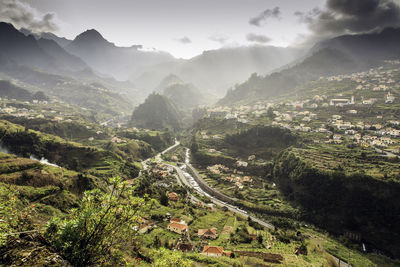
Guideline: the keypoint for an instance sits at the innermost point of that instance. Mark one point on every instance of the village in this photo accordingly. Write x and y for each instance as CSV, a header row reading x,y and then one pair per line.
x,y
342,114
193,225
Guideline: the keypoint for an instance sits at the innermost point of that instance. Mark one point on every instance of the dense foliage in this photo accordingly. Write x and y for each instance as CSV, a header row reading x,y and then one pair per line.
x,y
157,113
102,222
338,202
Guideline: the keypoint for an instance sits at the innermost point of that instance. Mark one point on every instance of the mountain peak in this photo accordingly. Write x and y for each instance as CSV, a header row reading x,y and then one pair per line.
x,y
90,36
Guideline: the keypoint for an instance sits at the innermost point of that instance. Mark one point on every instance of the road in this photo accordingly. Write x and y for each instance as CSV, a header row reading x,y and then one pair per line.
x,y
186,179
386,153
157,157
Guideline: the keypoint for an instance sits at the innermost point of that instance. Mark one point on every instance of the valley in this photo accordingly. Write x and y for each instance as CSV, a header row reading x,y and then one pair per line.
x,y
243,155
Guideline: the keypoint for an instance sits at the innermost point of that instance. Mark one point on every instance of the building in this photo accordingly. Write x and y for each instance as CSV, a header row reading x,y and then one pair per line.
x,y
173,196
208,233
389,98
240,163
215,251
184,247
178,228
341,101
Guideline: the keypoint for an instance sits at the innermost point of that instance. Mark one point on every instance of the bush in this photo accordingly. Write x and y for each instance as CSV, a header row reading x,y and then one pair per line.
x,y
103,221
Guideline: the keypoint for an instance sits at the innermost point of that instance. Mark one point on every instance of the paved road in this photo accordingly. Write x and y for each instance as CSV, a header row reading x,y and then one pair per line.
x,y
386,153
183,174
157,157
186,179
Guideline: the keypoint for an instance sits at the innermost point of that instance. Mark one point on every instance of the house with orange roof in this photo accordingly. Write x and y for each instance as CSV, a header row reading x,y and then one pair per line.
x,y
178,228
215,251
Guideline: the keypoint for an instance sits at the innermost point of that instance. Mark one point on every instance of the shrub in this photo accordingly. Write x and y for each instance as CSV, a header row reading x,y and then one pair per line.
x,y
103,221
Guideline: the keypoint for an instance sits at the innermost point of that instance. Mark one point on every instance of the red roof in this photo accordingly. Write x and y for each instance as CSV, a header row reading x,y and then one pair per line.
x,y
178,225
213,250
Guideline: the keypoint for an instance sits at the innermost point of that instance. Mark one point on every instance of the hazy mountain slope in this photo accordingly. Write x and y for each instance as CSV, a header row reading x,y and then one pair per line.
x,y
23,49
105,57
61,57
166,82
92,96
367,47
215,71
184,95
9,90
157,112
43,54
61,41
345,54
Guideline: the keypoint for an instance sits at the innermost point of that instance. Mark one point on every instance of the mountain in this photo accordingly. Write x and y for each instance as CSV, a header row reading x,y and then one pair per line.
x,y
166,82
43,54
61,41
107,58
9,90
157,112
369,48
61,57
215,71
184,95
340,55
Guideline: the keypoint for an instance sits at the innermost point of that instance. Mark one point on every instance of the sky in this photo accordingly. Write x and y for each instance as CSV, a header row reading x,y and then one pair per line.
x,y
185,28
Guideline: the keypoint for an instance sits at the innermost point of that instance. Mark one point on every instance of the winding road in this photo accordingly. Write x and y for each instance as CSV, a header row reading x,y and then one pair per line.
x,y
185,179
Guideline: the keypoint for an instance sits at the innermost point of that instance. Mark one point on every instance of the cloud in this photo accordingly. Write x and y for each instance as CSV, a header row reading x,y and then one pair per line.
x,y
184,40
220,38
22,15
263,16
350,17
257,38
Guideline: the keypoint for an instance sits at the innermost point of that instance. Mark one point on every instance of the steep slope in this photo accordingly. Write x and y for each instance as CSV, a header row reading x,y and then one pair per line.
x,y
45,54
184,95
345,54
9,90
91,96
61,57
166,82
105,57
157,112
61,41
367,47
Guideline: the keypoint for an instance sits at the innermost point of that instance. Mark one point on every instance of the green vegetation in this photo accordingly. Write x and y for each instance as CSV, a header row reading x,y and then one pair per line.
x,y
96,161
102,221
362,204
156,113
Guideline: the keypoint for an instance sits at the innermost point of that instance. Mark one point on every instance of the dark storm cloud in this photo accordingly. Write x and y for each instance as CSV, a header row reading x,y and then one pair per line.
x,y
184,40
257,38
219,38
351,16
263,16
23,15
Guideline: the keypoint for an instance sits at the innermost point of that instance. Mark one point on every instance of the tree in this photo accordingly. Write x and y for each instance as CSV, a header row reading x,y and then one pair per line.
x,y
194,146
14,215
270,113
164,199
103,221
